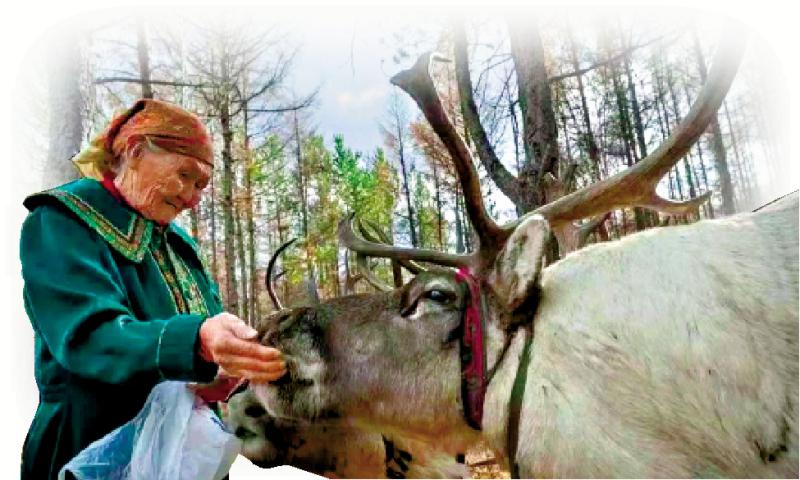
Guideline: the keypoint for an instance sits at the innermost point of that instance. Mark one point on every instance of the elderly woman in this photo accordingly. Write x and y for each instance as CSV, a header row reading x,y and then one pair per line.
x,y
117,295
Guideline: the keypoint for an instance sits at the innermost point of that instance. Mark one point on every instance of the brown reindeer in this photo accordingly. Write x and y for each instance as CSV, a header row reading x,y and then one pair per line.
x,y
337,450
670,353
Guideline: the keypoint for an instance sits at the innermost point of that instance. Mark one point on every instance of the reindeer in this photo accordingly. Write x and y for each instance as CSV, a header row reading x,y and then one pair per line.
x,y
670,353
337,450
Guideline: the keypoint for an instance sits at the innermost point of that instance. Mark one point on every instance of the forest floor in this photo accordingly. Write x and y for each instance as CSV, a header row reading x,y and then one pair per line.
x,y
483,464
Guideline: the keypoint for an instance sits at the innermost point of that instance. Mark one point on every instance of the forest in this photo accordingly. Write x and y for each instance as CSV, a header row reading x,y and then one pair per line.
x,y
547,104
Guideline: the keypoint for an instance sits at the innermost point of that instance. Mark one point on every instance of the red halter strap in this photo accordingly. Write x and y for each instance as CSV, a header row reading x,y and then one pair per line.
x,y
473,352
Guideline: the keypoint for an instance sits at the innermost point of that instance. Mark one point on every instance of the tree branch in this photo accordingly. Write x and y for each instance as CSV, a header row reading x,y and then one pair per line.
x,y
500,175
100,81
305,103
612,59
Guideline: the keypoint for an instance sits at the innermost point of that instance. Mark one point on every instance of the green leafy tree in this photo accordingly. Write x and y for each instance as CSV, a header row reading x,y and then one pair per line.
x,y
324,213
367,187
428,216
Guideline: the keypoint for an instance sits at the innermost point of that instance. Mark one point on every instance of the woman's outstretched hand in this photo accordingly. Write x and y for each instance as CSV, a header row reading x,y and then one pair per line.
x,y
230,343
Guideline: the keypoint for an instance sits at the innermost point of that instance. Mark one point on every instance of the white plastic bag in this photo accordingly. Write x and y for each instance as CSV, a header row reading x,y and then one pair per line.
x,y
174,437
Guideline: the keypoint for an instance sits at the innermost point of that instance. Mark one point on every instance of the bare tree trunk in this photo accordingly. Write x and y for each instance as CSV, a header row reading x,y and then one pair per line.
x,y
696,176
195,224
744,182
232,296
721,164
467,234
747,170
704,173
66,104
689,179
622,110
717,145
404,171
302,178
663,123
460,244
464,232
213,216
562,105
248,206
707,206
144,59
677,116
439,214
243,305
637,115
512,112
539,127
301,182
279,230
678,183
645,217
627,134
615,225
670,186
475,134
591,144
664,129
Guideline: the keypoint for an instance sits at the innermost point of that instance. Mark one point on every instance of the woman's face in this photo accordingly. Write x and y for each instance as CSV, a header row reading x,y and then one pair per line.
x,y
161,184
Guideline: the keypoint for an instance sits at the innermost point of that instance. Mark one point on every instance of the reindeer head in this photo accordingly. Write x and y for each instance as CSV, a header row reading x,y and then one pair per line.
x,y
342,354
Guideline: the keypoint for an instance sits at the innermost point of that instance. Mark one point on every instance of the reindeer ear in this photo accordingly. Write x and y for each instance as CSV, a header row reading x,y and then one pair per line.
x,y
516,269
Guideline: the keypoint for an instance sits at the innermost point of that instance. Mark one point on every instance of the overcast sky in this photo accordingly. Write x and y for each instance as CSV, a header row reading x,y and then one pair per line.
x,y
344,57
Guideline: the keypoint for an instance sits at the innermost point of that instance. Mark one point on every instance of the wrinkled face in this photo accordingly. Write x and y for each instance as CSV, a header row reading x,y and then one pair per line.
x,y
390,360
161,184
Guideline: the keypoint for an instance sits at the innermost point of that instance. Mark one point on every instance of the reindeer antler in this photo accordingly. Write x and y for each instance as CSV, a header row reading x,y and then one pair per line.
x,y
366,273
268,276
373,249
381,237
635,186
418,83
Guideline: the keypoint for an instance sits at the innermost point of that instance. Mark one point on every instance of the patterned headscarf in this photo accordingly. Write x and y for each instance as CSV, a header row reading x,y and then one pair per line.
x,y
166,125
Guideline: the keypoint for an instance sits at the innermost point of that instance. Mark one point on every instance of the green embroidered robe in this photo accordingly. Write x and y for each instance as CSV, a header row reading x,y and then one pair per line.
x,y
116,302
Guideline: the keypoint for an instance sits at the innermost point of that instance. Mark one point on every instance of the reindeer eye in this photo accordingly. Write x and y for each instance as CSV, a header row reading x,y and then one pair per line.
x,y
439,296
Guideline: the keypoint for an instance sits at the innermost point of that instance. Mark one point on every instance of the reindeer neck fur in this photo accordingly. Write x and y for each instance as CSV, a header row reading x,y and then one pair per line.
x,y
693,375
505,342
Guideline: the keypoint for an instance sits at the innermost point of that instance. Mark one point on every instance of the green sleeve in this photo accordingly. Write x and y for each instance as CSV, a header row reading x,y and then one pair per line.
x,y
77,303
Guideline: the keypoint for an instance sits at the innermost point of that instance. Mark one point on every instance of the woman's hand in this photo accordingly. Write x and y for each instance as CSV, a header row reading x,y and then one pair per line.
x,y
230,343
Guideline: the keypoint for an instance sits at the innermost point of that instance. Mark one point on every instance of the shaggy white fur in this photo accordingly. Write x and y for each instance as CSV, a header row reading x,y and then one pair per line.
x,y
670,353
